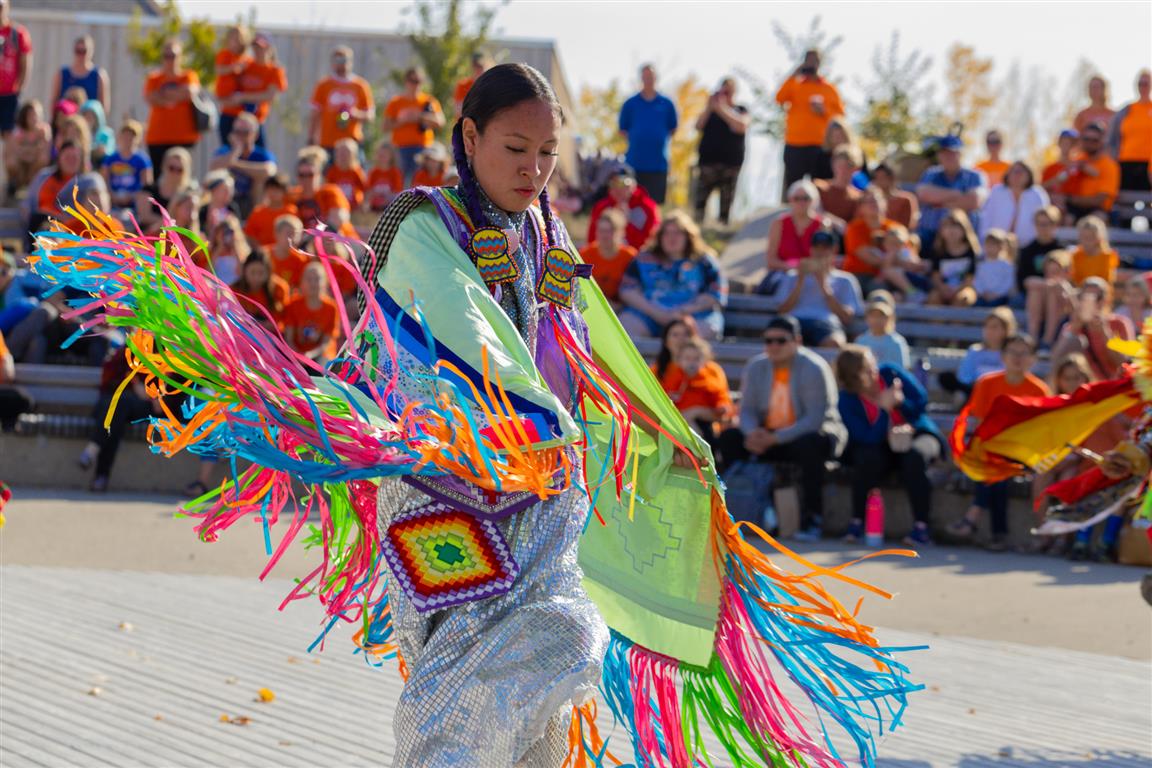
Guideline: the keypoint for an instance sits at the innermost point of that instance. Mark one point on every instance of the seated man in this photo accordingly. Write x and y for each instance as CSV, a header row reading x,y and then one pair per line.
x,y
788,413
824,299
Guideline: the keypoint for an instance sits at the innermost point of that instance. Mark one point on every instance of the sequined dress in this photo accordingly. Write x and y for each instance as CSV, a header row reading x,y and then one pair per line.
x,y
492,683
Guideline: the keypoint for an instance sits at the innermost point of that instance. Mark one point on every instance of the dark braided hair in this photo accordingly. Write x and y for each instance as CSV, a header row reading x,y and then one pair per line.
x,y
499,88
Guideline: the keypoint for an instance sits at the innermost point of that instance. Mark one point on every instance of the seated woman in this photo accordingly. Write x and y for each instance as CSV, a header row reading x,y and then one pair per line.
x,y
790,234
883,409
678,276
1090,328
953,259
262,290
1012,205
699,388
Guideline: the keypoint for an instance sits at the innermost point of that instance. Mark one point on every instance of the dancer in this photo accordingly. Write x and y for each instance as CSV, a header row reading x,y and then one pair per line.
x,y
508,502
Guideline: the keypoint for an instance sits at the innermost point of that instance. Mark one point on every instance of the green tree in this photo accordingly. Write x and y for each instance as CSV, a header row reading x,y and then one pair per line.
x,y
444,35
595,120
198,37
898,109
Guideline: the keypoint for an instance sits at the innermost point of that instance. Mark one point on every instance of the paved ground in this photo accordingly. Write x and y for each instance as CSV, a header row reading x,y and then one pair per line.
x,y
103,665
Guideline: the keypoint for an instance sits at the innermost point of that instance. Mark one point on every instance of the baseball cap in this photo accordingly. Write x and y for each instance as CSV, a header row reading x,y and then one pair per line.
x,y
1069,133
786,323
823,237
954,143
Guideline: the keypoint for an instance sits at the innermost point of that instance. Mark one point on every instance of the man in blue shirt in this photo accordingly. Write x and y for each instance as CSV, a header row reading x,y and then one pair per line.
x,y
648,121
249,164
947,186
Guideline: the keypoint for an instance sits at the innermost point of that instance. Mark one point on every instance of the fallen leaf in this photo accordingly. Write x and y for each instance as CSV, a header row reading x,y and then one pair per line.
x,y
158,716
284,743
231,680
971,711
126,626
225,719
934,688
293,660
95,691
265,696
241,720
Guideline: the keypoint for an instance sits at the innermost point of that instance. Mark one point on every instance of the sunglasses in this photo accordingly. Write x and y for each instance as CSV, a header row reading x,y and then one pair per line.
x,y
776,340
800,199
241,132
305,174
169,54
174,168
79,51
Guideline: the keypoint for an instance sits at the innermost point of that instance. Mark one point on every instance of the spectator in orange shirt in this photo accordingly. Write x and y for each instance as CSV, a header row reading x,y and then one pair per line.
x,y
1093,256
435,168
1016,380
260,83
1059,178
903,207
317,203
346,173
260,226
608,254
698,387
231,60
864,239
1130,137
810,102
311,320
284,255
480,64
341,104
412,117
1097,176
993,168
260,289
1097,111
385,180
169,91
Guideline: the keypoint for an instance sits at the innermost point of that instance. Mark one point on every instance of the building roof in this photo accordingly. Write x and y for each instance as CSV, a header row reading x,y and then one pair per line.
x,y
109,7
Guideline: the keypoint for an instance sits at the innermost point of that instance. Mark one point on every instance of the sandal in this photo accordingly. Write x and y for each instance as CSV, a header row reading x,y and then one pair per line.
x,y
195,489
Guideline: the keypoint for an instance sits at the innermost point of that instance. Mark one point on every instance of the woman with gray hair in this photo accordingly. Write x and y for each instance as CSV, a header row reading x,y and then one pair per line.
x,y
790,233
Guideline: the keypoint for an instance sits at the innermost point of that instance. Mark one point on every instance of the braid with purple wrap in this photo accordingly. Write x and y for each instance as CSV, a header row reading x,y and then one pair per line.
x,y
468,186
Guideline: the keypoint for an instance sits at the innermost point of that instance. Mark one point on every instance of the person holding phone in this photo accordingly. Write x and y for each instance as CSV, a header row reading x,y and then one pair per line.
x,y
1091,326
809,102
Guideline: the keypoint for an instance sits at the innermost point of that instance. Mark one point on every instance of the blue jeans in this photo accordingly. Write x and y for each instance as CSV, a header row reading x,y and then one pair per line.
x,y
406,156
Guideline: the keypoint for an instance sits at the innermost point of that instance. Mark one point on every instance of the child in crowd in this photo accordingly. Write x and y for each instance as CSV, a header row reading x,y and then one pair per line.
x,y
29,147
284,256
887,346
609,254
995,277
434,170
953,258
346,173
385,180
1019,355
1093,256
221,203
261,224
699,388
1049,298
129,169
1030,260
261,289
311,320
983,358
229,249
904,271
1136,302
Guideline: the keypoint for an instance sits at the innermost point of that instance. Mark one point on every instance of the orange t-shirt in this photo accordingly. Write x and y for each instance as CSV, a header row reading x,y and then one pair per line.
x,y
3,347
856,235
1107,179
351,182
462,88
708,388
383,178
327,197
423,178
290,268
991,385
333,97
411,134
49,191
280,293
1136,133
1051,171
994,170
261,224
780,413
1103,264
228,84
173,124
309,326
608,272
803,127
260,77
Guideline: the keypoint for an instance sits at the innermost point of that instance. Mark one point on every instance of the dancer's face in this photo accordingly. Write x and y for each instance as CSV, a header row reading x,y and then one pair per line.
x,y
515,155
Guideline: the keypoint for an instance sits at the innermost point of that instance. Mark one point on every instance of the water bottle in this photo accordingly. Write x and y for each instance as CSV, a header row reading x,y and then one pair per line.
x,y
874,519
924,371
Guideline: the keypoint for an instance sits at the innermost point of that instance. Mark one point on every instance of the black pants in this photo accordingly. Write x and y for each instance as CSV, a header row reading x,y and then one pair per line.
x,y
721,178
130,408
1134,176
808,452
798,163
950,382
872,463
156,154
13,402
994,498
655,183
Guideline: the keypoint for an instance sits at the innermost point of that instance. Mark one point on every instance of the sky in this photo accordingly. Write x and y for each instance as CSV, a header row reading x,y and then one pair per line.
x,y
600,40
